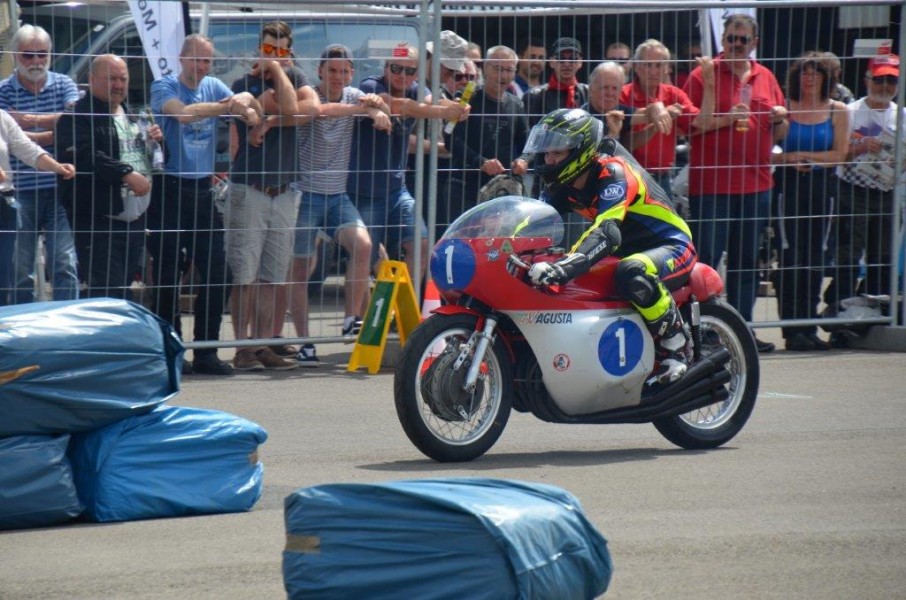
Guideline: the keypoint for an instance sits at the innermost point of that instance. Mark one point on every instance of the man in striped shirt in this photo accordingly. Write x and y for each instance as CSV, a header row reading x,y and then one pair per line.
x,y
36,97
324,154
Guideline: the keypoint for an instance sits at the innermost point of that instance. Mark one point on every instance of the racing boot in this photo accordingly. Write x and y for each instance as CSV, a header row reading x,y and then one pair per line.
x,y
671,346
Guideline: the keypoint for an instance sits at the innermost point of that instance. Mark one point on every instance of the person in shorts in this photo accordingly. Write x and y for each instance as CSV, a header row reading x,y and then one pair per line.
x,y
324,153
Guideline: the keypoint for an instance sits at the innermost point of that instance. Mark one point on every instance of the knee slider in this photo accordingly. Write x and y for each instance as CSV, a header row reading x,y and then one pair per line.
x,y
635,284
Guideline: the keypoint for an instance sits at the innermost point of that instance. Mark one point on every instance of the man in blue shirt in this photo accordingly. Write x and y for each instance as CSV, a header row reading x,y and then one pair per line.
x,y
377,169
182,215
35,97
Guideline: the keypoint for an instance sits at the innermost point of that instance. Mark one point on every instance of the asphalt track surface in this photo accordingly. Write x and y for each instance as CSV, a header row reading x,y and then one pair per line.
x,y
809,501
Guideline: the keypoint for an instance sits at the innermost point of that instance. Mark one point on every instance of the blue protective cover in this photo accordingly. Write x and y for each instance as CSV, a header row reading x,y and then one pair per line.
x,y
442,538
36,487
74,366
172,461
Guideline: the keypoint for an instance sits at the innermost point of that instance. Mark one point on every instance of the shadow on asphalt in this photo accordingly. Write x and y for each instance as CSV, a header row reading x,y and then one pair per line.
x,y
522,460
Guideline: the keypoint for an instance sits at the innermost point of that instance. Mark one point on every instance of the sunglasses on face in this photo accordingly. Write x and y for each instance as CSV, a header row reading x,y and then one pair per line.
x,y
465,77
34,55
884,79
397,69
269,49
745,40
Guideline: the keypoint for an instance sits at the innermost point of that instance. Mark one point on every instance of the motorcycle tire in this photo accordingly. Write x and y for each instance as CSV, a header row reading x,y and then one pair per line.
x,y
716,424
441,419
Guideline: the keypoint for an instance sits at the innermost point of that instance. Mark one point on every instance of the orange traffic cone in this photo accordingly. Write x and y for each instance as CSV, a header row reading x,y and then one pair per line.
x,y
431,300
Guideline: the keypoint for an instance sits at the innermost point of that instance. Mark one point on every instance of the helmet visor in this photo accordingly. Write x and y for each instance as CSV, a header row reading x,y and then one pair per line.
x,y
541,139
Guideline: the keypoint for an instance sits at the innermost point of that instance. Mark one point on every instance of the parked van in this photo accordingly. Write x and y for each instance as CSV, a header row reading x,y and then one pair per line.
x,y
236,36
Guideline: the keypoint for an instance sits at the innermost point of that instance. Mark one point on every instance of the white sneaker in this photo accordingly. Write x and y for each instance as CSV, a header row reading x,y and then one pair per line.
x,y
308,356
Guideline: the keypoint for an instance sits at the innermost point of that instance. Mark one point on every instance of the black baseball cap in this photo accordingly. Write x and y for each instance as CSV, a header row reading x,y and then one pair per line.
x,y
336,51
566,44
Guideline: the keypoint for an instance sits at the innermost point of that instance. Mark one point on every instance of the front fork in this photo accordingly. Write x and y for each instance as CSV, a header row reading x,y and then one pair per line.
x,y
484,339
695,328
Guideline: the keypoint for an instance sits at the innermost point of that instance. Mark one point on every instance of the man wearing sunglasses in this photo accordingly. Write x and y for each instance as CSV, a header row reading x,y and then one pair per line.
x,y
866,187
452,78
490,142
262,207
563,89
730,178
377,170
36,97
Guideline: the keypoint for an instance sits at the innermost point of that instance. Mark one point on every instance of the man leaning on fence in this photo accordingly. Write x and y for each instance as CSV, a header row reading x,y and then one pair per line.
x,y
324,154
730,179
377,169
108,198
36,97
866,192
182,215
262,208
489,143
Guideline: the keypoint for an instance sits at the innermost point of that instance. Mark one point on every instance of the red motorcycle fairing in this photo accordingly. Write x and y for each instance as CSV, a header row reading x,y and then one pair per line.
x,y
478,268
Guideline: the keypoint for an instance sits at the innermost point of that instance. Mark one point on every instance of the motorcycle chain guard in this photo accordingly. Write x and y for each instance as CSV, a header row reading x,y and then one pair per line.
x,y
443,387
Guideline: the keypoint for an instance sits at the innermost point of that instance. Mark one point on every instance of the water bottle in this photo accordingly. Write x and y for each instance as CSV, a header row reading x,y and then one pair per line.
x,y
154,148
463,101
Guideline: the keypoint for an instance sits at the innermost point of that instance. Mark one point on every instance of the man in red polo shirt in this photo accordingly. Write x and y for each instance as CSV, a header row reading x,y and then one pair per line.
x,y
730,177
651,69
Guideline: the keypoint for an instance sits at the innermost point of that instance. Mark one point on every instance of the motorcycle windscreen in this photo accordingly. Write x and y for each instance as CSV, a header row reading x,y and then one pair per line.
x,y
510,217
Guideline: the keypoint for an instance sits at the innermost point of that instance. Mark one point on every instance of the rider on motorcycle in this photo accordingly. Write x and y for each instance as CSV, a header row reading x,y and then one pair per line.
x,y
631,218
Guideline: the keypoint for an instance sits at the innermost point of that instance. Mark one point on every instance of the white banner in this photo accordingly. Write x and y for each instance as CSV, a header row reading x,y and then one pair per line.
x,y
160,25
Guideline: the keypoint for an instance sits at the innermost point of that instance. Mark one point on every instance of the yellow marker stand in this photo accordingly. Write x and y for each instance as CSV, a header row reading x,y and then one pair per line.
x,y
393,297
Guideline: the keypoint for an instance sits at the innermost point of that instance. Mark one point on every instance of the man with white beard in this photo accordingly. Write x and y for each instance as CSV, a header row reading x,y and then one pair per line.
x,y
36,97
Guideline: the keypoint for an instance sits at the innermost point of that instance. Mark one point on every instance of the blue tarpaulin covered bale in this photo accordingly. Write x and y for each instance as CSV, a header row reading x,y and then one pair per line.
x,y
36,487
170,462
442,538
79,365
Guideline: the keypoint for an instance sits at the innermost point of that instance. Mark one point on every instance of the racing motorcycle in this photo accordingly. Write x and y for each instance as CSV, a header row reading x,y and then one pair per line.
x,y
576,353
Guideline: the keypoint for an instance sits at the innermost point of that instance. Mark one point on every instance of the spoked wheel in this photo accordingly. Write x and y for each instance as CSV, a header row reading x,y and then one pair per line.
x,y
716,424
443,420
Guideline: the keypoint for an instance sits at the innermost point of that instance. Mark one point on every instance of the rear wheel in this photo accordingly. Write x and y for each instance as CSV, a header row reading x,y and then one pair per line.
x,y
444,421
716,424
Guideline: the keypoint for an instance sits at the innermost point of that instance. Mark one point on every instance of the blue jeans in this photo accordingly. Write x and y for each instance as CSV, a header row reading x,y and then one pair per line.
x,y
7,246
732,223
39,210
390,221
327,212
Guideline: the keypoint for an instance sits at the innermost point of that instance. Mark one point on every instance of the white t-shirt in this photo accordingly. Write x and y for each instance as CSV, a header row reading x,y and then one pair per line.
x,y
872,170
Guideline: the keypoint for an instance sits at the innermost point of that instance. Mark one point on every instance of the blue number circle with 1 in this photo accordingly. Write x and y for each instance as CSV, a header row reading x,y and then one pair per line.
x,y
620,347
452,265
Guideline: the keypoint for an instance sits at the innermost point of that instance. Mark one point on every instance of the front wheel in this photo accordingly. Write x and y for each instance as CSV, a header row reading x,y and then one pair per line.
x,y
716,424
444,421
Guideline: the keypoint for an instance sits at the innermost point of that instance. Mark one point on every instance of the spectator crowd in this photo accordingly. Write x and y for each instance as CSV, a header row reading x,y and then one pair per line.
x,y
121,195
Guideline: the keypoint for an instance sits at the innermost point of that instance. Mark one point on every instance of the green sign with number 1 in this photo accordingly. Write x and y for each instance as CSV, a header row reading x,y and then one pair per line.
x,y
375,323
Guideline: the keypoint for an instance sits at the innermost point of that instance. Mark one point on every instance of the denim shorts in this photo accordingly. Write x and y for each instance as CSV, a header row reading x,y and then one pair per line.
x,y
322,212
391,221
